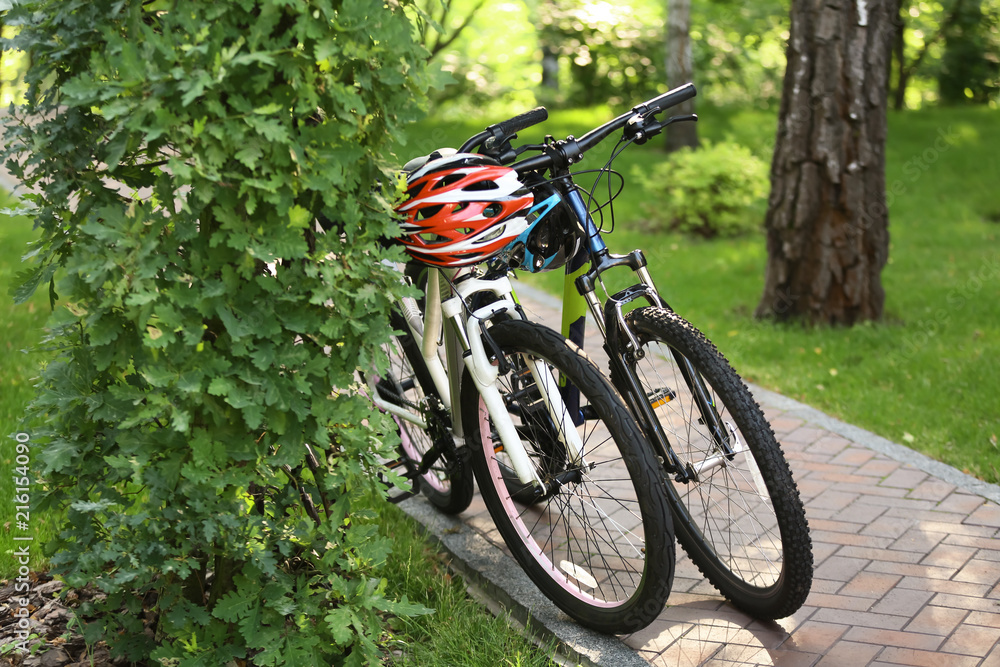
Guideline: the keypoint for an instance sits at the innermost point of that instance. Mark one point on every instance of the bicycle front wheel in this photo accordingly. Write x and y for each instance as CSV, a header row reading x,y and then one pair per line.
x,y
740,518
597,540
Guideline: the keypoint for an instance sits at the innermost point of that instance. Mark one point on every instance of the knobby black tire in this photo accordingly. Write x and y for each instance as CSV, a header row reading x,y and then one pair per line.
x,y
742,523
448,484
600,546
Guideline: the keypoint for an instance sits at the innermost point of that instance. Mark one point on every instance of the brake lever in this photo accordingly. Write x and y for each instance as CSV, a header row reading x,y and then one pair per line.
x,y
644,133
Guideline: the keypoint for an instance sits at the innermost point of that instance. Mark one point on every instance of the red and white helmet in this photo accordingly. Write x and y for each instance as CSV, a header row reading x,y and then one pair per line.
x,y
462,209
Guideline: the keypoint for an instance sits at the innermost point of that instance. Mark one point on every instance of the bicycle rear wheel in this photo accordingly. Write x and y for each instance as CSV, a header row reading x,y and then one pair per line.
x,y
430,456
598,542
741,520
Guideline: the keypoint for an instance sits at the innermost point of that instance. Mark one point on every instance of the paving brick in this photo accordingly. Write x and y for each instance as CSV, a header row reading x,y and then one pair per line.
x,y
903,656
964,602
839,601
894,638
657,636
849,653
735,655
887,555
961,503
809,488
879,467
902,602
912,570
918,539
987,515
735,635
984,619
992,660
905,478
972,640
805,435
850,539
789,624
846,479
979,572
860,619
936,620
866,513
785,424
953,526
888,526
944,586
687,653
833,525
869,585
894,502
839,568
829,445
822,551
782,658
826,586
987,545
815,637
854,457
932,489
948,556
866,490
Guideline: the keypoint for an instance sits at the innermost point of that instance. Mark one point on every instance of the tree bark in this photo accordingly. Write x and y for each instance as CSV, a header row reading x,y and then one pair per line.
x,y
679,71
827,221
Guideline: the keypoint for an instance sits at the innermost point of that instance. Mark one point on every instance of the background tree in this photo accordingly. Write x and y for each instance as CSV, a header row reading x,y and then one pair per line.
x,y
953,47
610,50
679,70
197,424
827,221
440,22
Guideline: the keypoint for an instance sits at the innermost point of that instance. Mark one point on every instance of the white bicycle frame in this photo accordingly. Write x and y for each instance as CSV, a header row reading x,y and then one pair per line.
x,y
465,337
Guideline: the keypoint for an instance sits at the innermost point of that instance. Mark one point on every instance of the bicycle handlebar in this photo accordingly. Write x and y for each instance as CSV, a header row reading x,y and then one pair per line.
x,y
524,120
571,150
496,134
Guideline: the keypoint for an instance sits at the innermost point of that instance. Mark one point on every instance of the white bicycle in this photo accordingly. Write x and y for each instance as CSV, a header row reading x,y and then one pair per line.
x,y
573,489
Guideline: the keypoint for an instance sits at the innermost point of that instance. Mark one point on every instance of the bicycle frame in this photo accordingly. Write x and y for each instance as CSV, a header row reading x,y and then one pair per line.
x,y
580,294
466,338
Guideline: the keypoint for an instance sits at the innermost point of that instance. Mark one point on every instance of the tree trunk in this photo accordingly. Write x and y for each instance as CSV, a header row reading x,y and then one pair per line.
x,y
550,68
827,221
679,71
899,51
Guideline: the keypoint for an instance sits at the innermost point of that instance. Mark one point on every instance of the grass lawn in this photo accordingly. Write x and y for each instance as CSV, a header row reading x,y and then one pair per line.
x,y
20,330
928,375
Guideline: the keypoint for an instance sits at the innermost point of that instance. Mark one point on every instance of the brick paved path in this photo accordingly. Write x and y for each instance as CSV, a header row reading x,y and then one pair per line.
x,y
907,555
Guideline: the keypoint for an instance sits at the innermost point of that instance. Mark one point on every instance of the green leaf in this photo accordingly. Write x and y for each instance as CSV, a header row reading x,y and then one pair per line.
x,y
299,217
233,607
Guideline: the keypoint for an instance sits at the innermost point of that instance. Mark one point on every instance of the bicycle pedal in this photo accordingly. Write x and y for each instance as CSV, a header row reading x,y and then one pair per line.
x,y
660,396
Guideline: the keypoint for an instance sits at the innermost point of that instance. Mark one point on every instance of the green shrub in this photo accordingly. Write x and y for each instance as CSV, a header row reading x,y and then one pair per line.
x,y
181,152
717,190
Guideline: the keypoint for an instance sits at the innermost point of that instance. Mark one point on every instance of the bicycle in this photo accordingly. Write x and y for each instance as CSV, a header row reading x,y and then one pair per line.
x,y
735,505
573,490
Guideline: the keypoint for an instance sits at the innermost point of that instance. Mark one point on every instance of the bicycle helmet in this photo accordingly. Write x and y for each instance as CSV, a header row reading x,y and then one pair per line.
x,y
462,209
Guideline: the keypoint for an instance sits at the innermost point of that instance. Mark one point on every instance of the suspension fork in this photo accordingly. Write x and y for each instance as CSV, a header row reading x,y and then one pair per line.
x,y
484,376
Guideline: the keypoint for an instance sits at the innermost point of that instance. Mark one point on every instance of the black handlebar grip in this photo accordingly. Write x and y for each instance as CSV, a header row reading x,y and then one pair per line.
x,y
672,98
525,120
